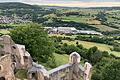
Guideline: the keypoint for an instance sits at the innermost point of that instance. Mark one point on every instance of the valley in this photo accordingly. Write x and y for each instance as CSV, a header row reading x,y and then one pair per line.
x,y
51,33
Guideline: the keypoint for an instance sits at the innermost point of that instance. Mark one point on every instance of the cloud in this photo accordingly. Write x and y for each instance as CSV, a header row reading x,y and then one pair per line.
x,y
89,4
100,0
76,3
57,1
10,0
71,3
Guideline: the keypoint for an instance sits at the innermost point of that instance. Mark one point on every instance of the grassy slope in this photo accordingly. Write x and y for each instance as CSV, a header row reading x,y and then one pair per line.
x,y
88,20
4,31
62,35
86,44
61,59
104,28
101,47
82,19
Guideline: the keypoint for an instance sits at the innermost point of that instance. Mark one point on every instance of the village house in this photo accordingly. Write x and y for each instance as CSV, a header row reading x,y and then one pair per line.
x,y
6,20
14,19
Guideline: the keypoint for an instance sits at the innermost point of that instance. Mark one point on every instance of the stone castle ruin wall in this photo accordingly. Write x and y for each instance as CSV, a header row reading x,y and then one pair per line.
x,y
14,56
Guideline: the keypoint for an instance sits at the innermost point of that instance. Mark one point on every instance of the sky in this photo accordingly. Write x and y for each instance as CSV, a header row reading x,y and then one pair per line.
x,y
70,3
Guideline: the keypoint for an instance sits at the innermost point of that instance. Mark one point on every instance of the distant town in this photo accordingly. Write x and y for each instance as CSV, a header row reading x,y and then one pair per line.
x,y
14,20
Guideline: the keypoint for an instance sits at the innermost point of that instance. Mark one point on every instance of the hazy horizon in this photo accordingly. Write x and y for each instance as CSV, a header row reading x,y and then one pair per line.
x,y
71,3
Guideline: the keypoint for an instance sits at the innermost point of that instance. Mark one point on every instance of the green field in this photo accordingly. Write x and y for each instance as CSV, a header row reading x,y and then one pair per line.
x,y
104,28
86,44
101,47
117,41
62,35
4,31
64,58
75,18
83,19
61,59
89,20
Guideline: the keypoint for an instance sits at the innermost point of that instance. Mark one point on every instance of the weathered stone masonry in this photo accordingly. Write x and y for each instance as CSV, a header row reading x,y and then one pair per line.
x,y
14,56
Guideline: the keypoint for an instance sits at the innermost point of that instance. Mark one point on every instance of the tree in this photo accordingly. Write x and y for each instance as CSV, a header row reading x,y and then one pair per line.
x,y
94,55
112,71
99,68
36,41
69,49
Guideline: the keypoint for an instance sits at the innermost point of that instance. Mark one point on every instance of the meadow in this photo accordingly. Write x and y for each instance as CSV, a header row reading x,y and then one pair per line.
x,y
89,20
4,31
104,27
86,44
61,58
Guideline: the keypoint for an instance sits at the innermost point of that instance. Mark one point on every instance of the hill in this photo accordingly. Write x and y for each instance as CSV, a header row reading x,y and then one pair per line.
x,y
94,18
13,5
